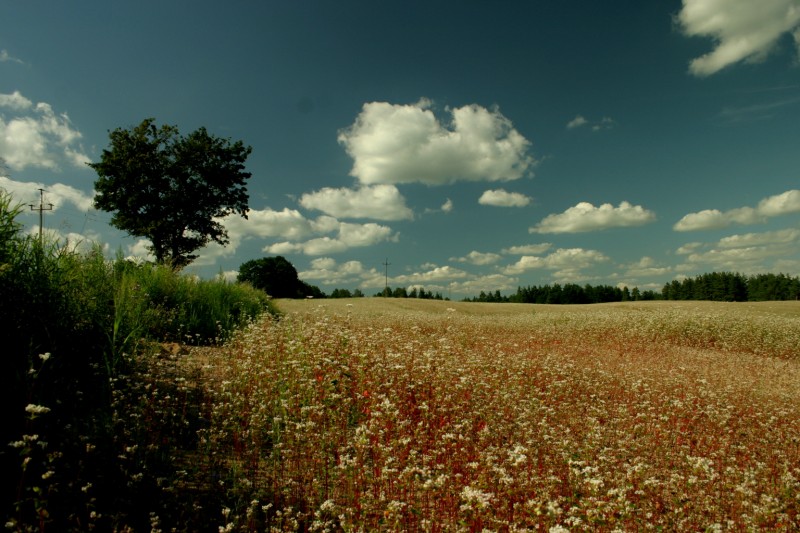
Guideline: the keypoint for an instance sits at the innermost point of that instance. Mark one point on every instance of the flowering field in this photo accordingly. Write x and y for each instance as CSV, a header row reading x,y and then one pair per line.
x,y
379,414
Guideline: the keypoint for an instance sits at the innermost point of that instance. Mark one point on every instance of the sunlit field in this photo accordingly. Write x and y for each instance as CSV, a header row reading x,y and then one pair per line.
x,y
380,414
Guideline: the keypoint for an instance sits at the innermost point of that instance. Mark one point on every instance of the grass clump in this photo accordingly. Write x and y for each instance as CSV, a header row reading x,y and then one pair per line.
x,y
85,377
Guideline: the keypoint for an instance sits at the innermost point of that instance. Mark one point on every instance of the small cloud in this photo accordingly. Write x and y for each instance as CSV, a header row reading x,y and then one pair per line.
x,y
646,267
6,57
576,122
15,101
528,249
780,204
478,258
502,198
579,121
379,202
604,124
742,30
447,206
586,217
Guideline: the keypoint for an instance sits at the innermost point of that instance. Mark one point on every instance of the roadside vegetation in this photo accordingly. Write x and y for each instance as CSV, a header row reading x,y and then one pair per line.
x,y
93,428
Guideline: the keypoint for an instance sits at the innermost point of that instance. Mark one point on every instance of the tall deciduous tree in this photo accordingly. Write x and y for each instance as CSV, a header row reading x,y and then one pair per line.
x,y
172,189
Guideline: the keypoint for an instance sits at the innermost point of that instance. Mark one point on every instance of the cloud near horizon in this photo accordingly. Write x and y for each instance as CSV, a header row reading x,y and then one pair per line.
x,y
58,194
394,144
347,236
780,204
33,135
503,198
585,217
572,259
742,30
747,253
379,202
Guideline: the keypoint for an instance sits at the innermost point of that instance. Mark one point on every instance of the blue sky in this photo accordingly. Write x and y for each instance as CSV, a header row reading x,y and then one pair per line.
x,y
475,145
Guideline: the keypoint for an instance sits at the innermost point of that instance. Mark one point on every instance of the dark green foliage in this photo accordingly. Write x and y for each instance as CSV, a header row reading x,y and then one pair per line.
x,y
75,328
733,287
277,277
172,189
569,293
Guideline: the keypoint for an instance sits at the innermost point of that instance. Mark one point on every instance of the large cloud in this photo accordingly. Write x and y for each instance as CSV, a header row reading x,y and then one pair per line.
x,y
58,194
35,136
503,198
393,144
348,236
749,252
586,217
379,202
328,272
572,259
435,274
743,30
779,204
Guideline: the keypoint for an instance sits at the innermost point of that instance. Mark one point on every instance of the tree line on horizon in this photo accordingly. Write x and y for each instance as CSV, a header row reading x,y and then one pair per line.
x,y
569,293
734,287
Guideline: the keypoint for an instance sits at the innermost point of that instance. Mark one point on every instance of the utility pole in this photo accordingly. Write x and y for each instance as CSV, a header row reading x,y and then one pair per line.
x,y
41,210
386,265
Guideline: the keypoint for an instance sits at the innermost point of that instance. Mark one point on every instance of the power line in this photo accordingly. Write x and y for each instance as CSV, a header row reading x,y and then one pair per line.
x,y
41,210
386,264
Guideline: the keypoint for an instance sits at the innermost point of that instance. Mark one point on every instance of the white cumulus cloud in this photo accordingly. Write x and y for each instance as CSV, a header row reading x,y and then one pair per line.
x,y
742,30
573,259
503,198
478,258
586,217
437,274
379,202
35,136
780,204
348,236
528,249
749,252
59,194
328,272
577,122
394,144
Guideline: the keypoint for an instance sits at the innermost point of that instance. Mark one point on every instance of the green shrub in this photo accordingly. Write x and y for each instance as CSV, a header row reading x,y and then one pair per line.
x,y
74,327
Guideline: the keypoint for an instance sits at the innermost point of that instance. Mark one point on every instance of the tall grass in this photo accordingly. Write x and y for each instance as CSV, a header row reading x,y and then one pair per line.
x,y
79,334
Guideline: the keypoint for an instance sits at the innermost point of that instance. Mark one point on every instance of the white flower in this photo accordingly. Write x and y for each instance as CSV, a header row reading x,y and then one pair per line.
x,y
36,409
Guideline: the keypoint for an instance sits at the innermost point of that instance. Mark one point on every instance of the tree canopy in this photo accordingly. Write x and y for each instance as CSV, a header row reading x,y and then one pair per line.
x,y
172,189
277,277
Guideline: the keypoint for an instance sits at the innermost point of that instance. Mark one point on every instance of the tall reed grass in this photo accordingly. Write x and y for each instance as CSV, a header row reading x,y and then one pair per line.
x,y
79,332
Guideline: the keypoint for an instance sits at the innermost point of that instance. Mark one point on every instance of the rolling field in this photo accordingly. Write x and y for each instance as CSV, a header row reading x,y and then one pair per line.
x,y
380,414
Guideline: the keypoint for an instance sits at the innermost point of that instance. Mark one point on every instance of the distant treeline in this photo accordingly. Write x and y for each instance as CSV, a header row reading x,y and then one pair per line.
x,y
569,293
733,287
388,292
